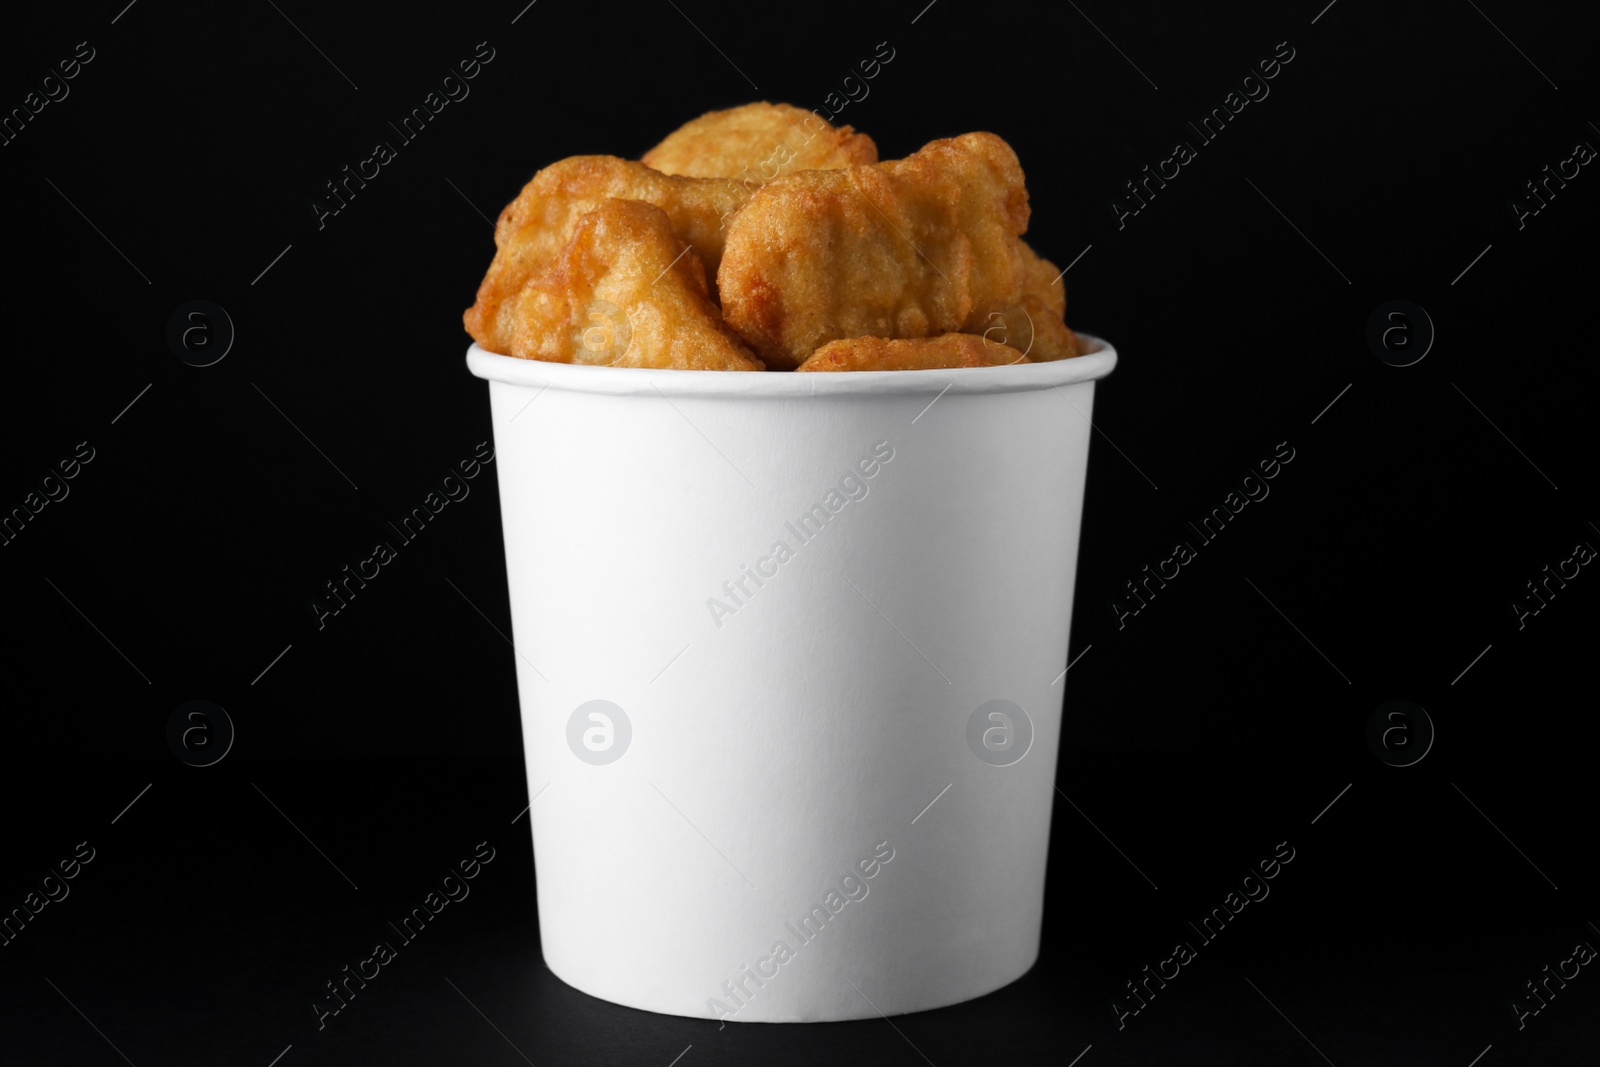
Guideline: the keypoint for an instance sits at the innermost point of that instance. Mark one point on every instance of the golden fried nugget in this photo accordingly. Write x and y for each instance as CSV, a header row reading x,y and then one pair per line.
x,y
1035,324
913,247
757,143
624,292
535,227
913,353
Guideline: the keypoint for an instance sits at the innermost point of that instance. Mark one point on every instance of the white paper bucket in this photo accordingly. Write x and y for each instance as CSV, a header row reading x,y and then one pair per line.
x,y
800,784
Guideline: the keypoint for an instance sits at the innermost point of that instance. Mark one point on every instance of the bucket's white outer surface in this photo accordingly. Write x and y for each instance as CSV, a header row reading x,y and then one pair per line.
x,y
799,733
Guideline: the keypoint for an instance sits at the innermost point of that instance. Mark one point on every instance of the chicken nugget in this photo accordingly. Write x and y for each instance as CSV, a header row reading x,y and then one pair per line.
x,y
1035,324
757,143
535,227
913,353
914,247
624,292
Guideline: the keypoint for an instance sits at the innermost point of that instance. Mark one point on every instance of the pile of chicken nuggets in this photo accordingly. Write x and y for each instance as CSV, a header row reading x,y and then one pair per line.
x,y
763,238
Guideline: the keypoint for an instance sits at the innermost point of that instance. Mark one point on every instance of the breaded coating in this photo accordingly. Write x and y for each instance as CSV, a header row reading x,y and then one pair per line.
x,y
535,227
914,247
915,353
624,292
757,143
1035,323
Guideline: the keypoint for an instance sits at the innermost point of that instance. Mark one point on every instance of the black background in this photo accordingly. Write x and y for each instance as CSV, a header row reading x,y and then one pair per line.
x,y
1211,726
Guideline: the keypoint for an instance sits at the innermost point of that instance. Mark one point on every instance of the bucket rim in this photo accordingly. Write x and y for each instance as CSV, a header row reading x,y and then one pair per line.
x,y
1095,363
